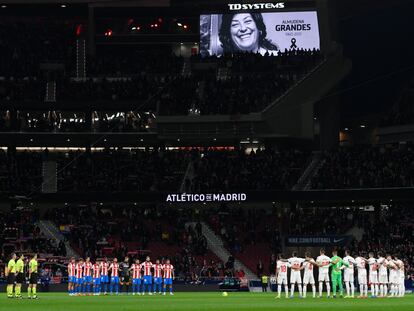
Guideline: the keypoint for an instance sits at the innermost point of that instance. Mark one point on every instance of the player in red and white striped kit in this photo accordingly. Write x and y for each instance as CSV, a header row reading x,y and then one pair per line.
x,y
87,276
147,266
136,277
114,268
104,276
79,276
96,268
71,276
157,277
168,275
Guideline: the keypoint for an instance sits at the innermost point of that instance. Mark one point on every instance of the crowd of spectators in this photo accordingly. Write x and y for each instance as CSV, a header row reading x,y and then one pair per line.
x,y
379,228
52,121
105,230
20,233
237,170
123,122
290,61
21,172
139,88
99,231
25,43
386,229
320,221
208,169
243,227
22,90
402,112
155,170
122,170
130,62
366,167
249,84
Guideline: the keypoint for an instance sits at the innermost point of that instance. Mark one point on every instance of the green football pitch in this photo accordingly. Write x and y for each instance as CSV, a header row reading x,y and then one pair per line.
x,y
200,301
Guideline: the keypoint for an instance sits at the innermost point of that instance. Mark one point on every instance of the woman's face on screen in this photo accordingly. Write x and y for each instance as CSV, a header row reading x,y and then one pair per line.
x,y
244,32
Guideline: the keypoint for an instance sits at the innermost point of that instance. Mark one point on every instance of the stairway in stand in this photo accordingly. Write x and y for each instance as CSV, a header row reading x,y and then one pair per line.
x,y
216,245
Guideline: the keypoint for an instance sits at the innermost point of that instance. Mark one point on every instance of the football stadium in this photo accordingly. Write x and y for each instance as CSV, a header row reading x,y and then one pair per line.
x,y
206,155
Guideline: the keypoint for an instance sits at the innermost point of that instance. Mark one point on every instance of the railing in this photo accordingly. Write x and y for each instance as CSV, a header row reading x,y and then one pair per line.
x,y
245,128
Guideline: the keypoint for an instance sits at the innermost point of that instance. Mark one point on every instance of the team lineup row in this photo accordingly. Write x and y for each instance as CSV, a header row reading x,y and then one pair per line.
x,y
15,275
385,274
84,274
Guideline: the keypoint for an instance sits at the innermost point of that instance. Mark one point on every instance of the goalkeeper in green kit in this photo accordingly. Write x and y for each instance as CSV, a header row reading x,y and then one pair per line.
x,y
336,274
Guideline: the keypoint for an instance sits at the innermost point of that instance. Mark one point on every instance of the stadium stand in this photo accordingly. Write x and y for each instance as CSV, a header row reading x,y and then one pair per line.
x,y
20,233
402,112
122,170
234,92
21,171
99,127
159,232
25,43
365,167
236,170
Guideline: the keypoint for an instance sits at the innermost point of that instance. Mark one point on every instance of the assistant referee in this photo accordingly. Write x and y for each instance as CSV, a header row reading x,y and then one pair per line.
x,y
19,277
31,290
11,275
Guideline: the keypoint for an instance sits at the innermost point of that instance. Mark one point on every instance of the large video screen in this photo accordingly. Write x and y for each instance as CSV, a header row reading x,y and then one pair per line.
x,y
267,32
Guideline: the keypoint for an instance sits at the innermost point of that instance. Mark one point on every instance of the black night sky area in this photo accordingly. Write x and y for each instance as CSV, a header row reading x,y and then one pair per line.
x,y
378,42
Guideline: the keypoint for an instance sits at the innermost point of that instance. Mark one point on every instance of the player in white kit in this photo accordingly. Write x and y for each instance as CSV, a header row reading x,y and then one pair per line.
x,y
382,275
400,276
393,278
349,278
323,262
308,277
282,266
373,274
362,276
295,276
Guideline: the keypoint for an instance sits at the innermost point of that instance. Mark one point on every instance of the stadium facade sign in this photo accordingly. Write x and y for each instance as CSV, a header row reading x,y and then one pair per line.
x,y
255,6
323,240
205,197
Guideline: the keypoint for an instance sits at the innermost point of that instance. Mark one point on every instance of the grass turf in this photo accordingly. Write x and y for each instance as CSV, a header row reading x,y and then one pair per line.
x,y
200,301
